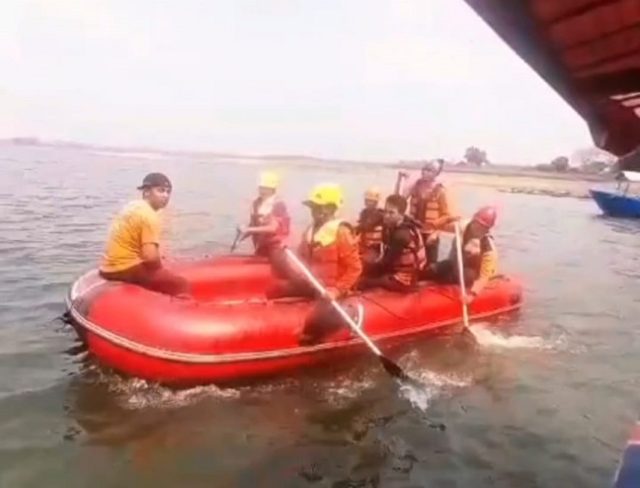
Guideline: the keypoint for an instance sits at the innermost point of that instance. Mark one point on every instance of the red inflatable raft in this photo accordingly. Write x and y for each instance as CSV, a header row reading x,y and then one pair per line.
x,y
231,333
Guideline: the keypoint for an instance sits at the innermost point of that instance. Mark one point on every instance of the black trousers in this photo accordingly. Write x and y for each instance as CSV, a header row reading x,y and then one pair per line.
x,y
323,319
432,249
387,281
446,273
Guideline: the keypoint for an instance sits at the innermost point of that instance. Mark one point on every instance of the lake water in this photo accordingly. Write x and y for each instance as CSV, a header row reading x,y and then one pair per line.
x,y
547,400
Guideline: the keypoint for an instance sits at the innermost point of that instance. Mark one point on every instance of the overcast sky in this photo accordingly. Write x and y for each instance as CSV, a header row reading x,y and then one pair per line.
x,y
362,79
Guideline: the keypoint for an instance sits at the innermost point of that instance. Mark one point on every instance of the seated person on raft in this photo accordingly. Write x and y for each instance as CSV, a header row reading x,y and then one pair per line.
x,y
269,223
403,256
369,228
330,249
132,252
479,255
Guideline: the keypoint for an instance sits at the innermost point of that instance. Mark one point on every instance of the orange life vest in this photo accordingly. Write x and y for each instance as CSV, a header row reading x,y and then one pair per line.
x,y
370,227
261,212
413,257
424,205
322,252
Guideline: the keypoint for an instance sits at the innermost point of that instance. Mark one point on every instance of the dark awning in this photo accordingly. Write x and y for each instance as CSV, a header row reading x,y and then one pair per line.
x,y
587,50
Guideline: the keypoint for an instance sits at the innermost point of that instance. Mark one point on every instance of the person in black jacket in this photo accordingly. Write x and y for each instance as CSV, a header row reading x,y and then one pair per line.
x,y
403,255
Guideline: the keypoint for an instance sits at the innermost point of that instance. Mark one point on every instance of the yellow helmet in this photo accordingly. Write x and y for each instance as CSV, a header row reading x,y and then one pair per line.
x,y
269,179
372,193
325,194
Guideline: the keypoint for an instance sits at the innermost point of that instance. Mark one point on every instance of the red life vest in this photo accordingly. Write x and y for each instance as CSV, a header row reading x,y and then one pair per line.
x,y
262,212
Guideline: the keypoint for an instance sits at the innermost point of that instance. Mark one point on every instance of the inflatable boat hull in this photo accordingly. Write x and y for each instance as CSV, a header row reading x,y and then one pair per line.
x,y
230,333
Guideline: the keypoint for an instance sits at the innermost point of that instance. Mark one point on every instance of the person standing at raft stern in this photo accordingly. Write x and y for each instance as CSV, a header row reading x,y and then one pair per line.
x,y
369,228
132,251
269,223
404,256
479,255
330,249
429,204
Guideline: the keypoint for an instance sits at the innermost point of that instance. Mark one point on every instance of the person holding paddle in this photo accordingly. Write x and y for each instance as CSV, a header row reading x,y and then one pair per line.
x,y
330,249
269,223
479,255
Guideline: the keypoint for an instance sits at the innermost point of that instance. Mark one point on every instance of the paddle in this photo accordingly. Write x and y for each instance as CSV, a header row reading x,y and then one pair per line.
x,y
463,291
390,367
235,241
401,175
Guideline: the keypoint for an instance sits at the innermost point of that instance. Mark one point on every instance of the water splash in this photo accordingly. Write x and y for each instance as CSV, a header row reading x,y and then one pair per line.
x,y
430,385
135,393
427,385
488,337
339,391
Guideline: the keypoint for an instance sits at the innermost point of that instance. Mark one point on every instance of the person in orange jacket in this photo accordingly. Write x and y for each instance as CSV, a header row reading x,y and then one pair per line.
x,y
429,204
479,255
330,249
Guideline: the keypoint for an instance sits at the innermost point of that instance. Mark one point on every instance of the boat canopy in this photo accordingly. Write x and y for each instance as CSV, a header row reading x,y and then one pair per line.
x,y
588,51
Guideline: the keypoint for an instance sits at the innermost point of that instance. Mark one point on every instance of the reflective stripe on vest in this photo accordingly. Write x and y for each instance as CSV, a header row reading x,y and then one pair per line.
x,y
473,262
412,259
323,251
426,208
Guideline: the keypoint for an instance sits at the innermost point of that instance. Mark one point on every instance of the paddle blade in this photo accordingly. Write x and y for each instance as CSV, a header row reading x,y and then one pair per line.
x,y
392,368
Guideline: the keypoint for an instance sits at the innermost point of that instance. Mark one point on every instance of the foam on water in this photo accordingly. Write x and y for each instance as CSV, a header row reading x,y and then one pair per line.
x,y
486,336
428,385
135,393
347,389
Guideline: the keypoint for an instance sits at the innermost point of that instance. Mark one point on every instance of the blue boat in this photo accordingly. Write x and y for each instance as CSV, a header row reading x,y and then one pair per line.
x,y
628,472
620,203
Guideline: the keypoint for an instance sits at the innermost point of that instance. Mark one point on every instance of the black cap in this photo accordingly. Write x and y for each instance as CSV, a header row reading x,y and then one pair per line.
x,y
154,180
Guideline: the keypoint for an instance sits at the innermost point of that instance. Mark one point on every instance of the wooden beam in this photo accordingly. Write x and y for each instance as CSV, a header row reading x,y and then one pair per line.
x,y
578,11
601,38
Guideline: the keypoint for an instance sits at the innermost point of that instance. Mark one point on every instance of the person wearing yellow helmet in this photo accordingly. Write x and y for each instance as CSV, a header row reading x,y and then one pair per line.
x,y
330,248
430,204
269,221
369,228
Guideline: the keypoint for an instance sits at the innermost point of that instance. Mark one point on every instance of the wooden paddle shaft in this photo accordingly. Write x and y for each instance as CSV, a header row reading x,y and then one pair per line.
x,y
316,284
463,291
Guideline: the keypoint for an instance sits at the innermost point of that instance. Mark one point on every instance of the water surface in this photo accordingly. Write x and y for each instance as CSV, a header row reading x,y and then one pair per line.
x,y
547,401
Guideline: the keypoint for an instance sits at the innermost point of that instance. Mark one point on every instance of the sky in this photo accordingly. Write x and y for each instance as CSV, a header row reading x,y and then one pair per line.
x,y
377,80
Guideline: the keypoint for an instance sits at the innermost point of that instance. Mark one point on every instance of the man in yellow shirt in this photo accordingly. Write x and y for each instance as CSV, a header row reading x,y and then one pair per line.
x,y
132,252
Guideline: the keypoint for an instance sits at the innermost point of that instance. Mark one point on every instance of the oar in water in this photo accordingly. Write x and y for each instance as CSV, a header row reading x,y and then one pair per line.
x,y
390,367
463,291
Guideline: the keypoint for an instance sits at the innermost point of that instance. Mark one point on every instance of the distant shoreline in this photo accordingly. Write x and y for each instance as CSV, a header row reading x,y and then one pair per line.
x,y
303,160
